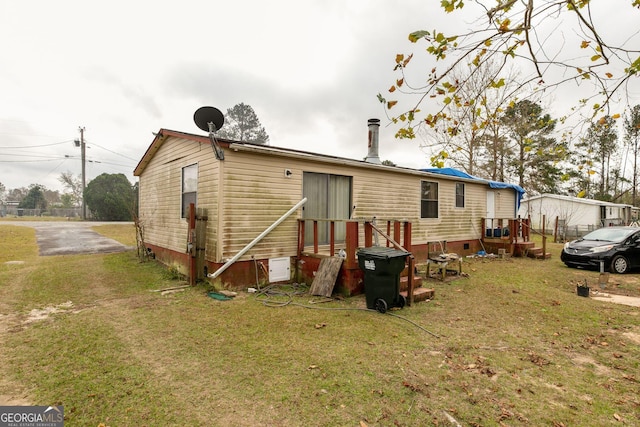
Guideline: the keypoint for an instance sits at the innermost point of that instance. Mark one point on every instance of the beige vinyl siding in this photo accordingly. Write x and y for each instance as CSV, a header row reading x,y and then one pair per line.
x,y
161,192
392,195
256,193
248,191
505,203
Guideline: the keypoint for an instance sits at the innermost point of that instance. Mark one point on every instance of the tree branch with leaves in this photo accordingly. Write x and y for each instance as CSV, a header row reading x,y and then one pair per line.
x,y
530,36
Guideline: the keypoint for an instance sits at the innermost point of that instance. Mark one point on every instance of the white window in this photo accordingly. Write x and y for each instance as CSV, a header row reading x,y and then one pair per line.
x,y
459,195
429,199
189,188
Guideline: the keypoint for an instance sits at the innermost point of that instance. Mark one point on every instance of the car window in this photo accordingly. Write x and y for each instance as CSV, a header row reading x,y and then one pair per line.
x,y
611,234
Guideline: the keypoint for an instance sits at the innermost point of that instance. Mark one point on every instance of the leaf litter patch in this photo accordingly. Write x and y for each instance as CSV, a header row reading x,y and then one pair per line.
x,y
39,314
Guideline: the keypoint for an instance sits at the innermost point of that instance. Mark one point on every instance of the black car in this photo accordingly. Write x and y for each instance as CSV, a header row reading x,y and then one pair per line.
x,y
617,247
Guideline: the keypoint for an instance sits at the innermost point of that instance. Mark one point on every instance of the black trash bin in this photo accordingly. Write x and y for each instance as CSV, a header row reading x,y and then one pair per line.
x,y
382,267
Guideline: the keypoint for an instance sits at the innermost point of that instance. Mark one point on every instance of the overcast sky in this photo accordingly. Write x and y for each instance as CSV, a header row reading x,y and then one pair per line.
x,y
310,69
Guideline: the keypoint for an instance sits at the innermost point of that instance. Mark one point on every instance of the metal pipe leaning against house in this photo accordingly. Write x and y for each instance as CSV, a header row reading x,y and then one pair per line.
x,y
256,240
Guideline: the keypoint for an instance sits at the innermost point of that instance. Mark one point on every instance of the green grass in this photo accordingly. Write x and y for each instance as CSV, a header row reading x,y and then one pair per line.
x,y
515,346
124,233
18,244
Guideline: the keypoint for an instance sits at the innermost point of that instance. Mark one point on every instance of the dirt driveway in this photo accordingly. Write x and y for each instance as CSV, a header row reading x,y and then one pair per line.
x,y
70,238
618,299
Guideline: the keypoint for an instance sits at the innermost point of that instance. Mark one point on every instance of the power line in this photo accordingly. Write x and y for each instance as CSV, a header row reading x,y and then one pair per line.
x,y
114,152
51,159
51,171
33,155
110,163
39,146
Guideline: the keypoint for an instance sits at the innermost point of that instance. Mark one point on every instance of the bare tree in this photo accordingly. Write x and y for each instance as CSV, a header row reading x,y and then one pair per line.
x,y
73,184
470,136
530,35
632,139
598,145
17,194
458,137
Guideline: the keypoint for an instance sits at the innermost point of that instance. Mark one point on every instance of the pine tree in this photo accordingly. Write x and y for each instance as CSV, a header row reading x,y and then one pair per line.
x,y
242,124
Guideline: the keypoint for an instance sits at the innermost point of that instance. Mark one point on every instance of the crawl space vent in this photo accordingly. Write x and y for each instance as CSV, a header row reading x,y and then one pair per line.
x,y
279,269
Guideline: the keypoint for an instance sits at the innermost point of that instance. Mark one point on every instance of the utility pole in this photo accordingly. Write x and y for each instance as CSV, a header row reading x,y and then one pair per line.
x,y
84,180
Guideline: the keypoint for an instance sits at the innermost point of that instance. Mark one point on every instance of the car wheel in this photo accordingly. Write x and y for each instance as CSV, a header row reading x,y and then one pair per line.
x,y
619,264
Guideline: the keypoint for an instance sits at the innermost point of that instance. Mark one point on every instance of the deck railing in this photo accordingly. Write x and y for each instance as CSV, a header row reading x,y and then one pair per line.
x,y
401,230
511,230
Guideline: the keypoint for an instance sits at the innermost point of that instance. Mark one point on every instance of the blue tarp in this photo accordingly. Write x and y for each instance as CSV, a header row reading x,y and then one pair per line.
x,y
492,184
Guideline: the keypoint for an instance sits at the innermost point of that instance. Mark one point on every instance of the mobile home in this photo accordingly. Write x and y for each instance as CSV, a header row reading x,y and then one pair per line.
x,y
242,194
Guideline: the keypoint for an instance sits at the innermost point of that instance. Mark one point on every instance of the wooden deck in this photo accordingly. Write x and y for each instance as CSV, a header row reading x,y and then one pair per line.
x,y
514,237
509,236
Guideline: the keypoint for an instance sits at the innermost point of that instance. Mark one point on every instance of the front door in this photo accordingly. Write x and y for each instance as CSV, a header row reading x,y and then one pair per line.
x,y
491,209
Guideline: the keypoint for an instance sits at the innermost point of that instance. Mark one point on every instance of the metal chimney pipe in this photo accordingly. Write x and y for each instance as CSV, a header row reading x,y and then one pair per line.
x,y
374,131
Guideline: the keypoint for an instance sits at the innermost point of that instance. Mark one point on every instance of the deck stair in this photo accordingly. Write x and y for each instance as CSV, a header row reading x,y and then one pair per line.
x,y
529,249
513,236
419,293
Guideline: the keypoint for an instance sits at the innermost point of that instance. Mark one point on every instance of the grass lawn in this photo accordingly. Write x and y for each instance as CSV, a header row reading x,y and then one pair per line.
x,y
512,344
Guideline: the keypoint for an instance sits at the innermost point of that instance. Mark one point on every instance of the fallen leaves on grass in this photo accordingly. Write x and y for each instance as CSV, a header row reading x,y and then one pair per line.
x,y
411,387
538,360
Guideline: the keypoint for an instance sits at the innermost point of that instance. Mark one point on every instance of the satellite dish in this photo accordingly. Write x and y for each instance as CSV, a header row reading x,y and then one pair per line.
x,y
209,119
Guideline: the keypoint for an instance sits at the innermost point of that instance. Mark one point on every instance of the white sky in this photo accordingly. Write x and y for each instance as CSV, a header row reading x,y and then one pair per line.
x,y
311,70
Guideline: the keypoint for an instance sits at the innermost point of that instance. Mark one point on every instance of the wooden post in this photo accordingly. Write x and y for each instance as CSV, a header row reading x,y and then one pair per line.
x,y
396,231
300,237
315,236
300,248
544,237
388,232
411,266
368,234
407,235
191,243
332,240
201,241
513,230
351,243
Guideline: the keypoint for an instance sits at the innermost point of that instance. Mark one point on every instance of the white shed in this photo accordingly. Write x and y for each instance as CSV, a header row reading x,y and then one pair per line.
x,y
574,215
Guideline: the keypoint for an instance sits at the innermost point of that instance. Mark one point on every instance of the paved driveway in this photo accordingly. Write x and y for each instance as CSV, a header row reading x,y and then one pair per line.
x,y
71,238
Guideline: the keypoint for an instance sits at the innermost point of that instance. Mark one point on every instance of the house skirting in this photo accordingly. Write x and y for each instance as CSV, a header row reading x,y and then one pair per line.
x,y
252,273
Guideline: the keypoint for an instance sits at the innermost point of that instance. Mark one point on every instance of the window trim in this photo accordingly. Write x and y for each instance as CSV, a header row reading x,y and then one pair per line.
x,y
424,210
192,195
463,195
